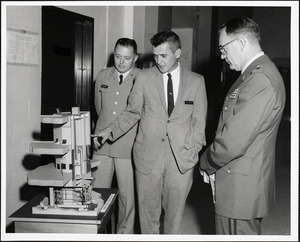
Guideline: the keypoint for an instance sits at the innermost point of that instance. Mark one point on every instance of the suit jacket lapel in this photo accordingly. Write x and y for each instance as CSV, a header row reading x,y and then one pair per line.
x,y
159,81
182,86
114,77
255,64
129,80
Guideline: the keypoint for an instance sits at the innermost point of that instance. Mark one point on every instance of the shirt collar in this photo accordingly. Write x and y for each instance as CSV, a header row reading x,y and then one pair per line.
x,y
124,74
252,59
175,72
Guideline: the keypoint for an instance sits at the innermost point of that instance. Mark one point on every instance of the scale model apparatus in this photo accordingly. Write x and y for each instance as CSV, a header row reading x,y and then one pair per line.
x,y
69,179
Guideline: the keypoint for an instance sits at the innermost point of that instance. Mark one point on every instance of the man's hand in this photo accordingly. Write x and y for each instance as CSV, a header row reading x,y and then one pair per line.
x,y
210,179
205,176
100,138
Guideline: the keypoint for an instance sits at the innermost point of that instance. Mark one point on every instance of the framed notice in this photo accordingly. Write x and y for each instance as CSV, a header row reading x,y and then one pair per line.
x,y
22,47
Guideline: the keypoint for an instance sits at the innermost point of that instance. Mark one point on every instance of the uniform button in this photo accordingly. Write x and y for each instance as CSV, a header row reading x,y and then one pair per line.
x,y
162,140
228,171
116,103
117,93
168,121
114,113
225,108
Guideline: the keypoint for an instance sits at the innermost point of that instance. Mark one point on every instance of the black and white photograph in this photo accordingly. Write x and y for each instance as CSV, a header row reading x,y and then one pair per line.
x,y
149,120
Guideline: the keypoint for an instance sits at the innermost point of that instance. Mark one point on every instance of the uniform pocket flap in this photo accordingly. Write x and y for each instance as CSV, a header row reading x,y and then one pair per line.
x,y
189,145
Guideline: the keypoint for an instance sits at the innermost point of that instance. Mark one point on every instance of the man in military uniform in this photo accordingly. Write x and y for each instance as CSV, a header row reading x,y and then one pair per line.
x,y
240,163
112,89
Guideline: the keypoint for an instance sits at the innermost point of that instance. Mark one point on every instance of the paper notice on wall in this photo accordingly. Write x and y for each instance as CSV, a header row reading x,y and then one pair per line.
x,y
22,47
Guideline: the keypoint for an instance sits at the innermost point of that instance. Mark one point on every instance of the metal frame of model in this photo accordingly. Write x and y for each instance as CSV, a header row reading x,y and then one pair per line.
x,y
69,179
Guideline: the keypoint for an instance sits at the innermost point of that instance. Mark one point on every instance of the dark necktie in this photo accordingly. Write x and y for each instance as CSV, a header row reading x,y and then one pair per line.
x,y
170,95
121,79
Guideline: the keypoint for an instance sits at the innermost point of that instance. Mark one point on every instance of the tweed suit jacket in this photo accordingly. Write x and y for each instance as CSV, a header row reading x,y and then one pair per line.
x,y
110,100
242,155
184,129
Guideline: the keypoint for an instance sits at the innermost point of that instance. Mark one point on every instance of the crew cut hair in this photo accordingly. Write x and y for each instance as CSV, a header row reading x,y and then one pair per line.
x,y
166,36
126,42
242,26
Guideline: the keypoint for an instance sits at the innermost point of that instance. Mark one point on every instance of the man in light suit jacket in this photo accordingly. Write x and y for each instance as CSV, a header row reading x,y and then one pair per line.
x,y
172,114
112,89
241,159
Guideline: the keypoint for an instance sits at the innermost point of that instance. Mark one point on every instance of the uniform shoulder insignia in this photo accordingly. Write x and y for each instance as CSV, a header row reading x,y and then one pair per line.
x,y
256,69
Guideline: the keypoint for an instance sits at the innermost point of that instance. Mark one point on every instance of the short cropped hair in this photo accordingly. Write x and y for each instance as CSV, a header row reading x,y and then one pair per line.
x,y
242,25
166,36
127,43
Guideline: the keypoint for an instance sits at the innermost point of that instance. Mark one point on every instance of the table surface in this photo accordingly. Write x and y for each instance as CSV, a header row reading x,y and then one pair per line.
x,y
25,212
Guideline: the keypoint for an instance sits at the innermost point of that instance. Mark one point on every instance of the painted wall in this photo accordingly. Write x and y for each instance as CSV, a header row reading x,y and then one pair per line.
x,y
23,105
151,18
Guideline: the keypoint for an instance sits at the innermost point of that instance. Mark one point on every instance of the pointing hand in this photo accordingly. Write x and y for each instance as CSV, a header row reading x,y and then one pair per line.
x,y
100,138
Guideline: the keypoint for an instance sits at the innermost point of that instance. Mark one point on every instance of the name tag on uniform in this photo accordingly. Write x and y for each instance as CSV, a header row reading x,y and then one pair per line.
x,y
104,86
189,102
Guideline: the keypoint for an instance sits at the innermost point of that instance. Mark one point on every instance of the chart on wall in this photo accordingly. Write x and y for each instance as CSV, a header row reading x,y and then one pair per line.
x,y
22,47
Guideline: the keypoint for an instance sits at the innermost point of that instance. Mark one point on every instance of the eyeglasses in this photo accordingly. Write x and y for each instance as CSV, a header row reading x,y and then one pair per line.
x,y
222,49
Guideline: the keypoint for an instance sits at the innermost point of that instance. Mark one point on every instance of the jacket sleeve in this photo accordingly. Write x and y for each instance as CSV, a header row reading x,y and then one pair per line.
x,y
97,97
131,115
199,115
255,103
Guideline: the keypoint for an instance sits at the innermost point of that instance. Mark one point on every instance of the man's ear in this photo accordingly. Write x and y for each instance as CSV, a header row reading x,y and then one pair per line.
x,y
135,58
243,42
178,53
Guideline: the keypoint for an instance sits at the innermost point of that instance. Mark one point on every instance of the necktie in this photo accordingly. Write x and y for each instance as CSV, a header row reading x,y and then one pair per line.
x,y
121,79
170,95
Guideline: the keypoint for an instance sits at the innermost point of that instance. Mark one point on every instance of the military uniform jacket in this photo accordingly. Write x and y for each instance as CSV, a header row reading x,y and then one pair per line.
x,y
242,155
184,129
110,100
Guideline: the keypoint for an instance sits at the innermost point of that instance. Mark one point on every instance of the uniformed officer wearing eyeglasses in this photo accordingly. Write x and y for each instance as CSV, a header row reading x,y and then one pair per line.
x,y
240,163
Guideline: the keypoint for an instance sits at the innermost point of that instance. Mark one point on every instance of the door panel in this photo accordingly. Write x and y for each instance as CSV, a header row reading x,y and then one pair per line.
x,y
67,60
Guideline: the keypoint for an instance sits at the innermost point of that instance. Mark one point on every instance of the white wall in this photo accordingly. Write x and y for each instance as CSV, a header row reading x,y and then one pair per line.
x,y
23,105
139,27
151,18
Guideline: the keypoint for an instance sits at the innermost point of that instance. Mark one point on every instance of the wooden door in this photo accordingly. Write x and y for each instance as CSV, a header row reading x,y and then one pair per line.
x,y
67,58
67,62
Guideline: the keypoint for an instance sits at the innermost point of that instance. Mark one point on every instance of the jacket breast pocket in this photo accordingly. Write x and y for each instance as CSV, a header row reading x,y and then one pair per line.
x,y
105,89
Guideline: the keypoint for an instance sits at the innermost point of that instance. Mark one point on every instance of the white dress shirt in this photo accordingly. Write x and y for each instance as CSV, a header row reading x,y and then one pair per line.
x,y
252,59
124,74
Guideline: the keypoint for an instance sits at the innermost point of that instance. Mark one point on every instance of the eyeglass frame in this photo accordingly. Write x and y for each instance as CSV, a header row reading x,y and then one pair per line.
x,y
222,49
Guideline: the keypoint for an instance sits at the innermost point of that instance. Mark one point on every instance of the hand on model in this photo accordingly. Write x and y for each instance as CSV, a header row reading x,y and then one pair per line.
x,y
100,138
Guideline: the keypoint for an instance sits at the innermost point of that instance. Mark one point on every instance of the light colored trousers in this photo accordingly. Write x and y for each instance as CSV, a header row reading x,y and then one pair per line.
x,y
164,189
125,178
231,226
